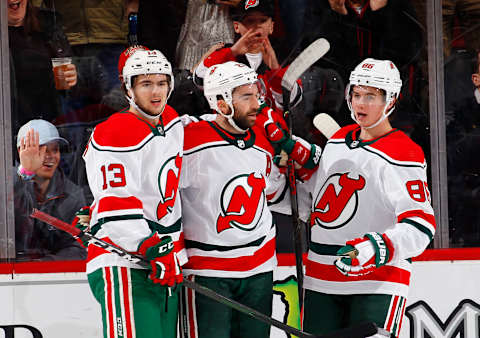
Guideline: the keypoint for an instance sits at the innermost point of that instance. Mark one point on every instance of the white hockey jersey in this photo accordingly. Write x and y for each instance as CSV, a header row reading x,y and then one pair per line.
x,y
378,185
225,183
133,168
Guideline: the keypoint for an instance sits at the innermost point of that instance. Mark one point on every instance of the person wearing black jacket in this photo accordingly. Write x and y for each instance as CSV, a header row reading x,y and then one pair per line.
x,y
35,36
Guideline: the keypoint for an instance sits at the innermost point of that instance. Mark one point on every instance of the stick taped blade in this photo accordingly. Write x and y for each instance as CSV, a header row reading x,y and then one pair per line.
x,y
307,57
326,124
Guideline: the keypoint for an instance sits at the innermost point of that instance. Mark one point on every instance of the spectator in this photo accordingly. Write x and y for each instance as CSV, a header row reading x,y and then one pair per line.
x,y
463,163
253,24
97,29
206,23
41,184
356,29
460,24
34,38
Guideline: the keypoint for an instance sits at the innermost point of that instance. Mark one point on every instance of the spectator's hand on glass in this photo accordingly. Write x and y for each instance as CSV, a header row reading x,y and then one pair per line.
x,y
30,152
338,6
251,38
377,4
269,56
232,3
71,75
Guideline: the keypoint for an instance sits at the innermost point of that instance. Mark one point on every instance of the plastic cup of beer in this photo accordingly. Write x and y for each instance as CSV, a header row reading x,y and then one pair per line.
x,y
60,65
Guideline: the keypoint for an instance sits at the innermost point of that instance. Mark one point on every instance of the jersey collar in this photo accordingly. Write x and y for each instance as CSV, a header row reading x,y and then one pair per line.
x,y
353,141
242,141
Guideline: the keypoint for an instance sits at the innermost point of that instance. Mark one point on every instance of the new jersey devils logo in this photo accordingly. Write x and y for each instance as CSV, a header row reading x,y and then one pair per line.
x,y
251,3
337,201
242,202
168,184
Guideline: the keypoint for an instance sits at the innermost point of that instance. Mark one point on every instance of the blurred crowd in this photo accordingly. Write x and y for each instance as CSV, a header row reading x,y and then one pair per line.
x,y
64,71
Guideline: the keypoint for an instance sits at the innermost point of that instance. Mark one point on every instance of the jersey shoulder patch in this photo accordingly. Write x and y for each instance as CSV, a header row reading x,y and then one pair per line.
x,y
122,129
400,147
199,133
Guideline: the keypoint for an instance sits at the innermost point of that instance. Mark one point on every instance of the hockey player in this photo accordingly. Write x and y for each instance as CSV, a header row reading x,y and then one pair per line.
x,y
133,163
253,23
226,180
370,212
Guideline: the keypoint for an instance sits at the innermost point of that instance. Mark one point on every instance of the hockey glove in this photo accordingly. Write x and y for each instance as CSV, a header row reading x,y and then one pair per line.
x,y
362,256
305,156
163,259
82,222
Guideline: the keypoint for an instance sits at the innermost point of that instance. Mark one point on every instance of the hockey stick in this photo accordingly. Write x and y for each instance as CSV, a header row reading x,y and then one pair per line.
x,y
303,61
140,260
359,331
326,125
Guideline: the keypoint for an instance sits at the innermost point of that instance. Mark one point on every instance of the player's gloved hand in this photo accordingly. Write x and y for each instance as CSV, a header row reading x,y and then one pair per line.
x,y
305,155
82,222
275,133
362,256
163,259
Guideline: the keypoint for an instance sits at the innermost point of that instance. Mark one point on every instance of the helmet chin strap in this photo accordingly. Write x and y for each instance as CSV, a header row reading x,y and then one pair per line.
x,y
383,117
148,116
230,120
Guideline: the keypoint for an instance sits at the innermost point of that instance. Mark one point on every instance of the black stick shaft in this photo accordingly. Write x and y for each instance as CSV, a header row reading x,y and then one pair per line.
x,y
186,282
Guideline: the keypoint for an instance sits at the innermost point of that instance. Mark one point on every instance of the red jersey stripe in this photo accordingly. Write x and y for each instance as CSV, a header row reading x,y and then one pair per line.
x,y
417,213
330,273
112,203
243,263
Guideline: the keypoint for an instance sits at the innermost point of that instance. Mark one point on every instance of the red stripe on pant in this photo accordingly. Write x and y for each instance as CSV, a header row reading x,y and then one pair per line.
x,y
109,304
125,285
393,312
192,320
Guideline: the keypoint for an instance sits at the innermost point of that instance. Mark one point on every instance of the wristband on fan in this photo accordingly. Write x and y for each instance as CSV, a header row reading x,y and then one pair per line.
x,y
24,173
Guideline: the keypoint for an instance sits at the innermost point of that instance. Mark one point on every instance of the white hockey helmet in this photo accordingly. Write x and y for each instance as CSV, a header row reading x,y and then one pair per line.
x,y
382,74
222,79
143,62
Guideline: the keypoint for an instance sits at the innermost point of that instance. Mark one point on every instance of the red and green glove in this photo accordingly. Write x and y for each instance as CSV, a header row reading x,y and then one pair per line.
x,y
163,259
364,255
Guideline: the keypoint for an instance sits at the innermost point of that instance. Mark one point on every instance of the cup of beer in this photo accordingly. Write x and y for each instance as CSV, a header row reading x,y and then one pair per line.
x,y
59,67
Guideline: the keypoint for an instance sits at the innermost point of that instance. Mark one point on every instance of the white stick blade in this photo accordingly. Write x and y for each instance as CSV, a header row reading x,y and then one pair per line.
x,y
326,124
307,57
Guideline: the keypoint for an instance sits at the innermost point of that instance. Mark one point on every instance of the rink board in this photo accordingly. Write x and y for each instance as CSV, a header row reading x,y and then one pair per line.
x,y
37,301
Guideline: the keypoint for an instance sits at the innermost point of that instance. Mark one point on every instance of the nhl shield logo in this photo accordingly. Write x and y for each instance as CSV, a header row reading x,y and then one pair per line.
x,y
161,130
251,3
241,144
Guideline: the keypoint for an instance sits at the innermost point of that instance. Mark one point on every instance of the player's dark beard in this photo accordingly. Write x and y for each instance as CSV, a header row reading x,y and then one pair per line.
x,y
243,122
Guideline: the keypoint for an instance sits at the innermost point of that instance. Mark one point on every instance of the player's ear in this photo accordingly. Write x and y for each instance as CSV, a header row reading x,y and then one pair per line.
x,y
272,25
391,105
223,106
